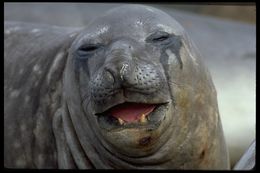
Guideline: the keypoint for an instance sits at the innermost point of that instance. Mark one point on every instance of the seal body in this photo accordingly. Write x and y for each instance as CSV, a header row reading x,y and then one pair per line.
x,y
35,57
127,91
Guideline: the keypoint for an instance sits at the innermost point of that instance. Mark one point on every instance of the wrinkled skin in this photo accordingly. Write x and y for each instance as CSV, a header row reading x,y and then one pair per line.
x,y
130,54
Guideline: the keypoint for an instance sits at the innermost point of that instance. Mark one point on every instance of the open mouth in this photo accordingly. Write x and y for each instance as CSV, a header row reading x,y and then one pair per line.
x,y
132,115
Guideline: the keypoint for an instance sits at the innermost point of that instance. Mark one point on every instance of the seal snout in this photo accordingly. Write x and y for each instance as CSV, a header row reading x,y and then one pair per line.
x,y
125,71
131,78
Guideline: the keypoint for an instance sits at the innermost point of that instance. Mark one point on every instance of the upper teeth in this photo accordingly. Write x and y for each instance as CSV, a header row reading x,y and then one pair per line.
x,y
121,121
143,119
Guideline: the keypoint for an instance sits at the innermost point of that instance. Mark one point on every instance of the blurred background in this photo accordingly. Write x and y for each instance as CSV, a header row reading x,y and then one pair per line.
x,y
242,13
225,35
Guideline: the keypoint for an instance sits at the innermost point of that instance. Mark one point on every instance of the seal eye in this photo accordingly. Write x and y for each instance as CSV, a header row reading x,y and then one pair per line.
x,y
161,38
158,37
87,50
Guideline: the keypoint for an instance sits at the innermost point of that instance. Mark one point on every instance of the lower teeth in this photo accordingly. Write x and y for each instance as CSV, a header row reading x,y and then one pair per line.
x,y
109,122
143,119
121,122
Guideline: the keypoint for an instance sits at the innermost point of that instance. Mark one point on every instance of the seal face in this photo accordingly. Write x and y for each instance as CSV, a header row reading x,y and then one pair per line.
x,y
147,97
128,90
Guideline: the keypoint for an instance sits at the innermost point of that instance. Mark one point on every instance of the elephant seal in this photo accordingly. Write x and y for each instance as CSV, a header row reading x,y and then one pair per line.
x,y
127,91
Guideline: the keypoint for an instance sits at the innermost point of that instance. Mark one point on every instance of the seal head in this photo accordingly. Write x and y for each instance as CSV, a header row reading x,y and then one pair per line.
x,y
137,95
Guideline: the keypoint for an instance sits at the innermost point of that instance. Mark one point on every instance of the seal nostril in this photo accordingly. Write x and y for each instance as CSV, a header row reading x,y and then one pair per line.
x,y
108,76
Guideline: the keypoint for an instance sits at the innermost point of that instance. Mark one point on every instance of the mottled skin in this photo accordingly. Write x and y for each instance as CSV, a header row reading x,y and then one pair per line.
x,y
130,54
32,92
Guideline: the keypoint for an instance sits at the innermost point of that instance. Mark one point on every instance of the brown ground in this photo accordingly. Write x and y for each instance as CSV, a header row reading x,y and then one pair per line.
x,y
243,13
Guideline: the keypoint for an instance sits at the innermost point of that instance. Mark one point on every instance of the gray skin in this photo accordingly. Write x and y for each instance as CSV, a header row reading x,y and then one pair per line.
x,y
58,82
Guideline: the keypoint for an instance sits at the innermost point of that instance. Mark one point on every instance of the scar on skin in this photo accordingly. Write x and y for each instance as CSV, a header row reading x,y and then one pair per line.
x,y
14,93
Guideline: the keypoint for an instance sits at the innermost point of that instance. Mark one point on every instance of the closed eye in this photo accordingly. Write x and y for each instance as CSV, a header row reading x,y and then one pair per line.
x,y
89,48
158,37
86,51
162,38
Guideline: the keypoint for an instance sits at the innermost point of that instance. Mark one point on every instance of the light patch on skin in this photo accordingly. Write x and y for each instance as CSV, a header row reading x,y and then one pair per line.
x,y
56,61
103,30
72,35
191,56
23,127
176,30
123,70
20,162
20,71
35,30
216,115
36,67
40,159
193,59
165,28
10,128
7,32
199,98
17,145
14,28
149,9
172,58
139,22
36,83
211,114
14,93
27,98
100,31
180,147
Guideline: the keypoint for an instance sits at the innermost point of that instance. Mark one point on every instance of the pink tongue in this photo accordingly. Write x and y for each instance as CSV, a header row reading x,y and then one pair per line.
x,y
131,112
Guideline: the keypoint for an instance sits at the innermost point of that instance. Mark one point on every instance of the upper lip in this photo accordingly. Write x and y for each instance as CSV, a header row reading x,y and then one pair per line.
x,y
110,106
101,106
